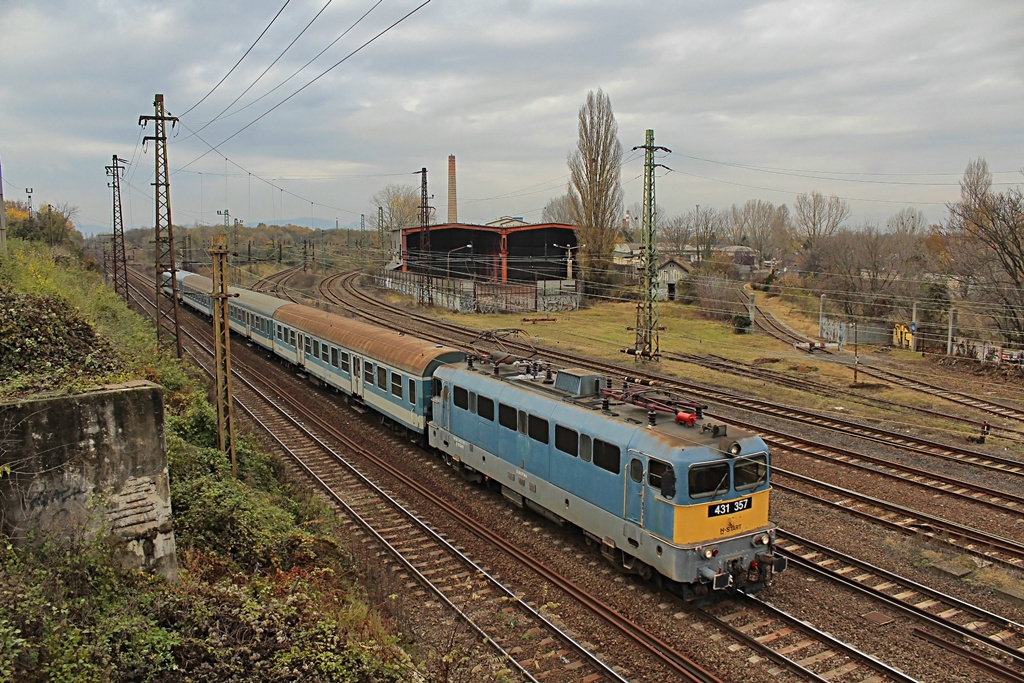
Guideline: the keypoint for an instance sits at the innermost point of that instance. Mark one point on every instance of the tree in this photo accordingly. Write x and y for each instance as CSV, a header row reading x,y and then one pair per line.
x,y
754,225
401,204
53,224
817,216
708,225
558,210
675,233
989,227
595,188
907,221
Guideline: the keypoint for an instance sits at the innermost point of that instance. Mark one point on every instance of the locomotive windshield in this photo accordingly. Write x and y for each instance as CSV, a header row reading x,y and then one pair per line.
x,y
708,479
751,472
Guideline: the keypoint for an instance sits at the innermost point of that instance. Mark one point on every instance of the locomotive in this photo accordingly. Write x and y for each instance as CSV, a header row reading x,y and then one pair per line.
x,y
664,492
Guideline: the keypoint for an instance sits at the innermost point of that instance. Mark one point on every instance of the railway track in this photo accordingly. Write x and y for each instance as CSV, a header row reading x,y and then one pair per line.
x,y
773,327
995,636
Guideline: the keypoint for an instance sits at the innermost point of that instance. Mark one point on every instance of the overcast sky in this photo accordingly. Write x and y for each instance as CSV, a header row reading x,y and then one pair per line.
x,y
881,103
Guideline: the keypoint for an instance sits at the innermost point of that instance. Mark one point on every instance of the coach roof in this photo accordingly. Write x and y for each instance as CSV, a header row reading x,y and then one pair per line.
x,y
396,349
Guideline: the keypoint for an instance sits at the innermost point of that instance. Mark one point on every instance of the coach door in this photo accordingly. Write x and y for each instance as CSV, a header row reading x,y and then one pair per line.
x,y
636,472
357,375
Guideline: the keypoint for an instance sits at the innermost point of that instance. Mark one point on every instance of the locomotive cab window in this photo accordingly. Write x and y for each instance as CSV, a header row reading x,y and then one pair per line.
x,y
461,398
709,480
660,475
636,470
507,416
436,387
750,472
485,407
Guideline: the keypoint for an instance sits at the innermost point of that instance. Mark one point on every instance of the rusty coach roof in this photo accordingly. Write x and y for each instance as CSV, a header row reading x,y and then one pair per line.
x,y
399,350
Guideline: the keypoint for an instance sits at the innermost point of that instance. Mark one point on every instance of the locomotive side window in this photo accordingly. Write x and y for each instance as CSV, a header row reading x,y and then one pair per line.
x,y
334,356
382,378
660,475
472,402
750,472
396,384
368,373
606,456
485,407
636,470
344,362
507,416
461,398
522,422
709,480
585,448
412,391
567,440
538,429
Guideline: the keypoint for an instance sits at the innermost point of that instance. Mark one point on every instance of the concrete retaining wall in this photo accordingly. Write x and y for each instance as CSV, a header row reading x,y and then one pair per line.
x,y
87,463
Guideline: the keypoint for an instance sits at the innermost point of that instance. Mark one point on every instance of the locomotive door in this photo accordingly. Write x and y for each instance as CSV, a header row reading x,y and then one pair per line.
x,y
636,472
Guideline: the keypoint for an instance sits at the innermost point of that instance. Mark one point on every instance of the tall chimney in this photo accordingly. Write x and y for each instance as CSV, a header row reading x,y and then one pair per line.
x,y
453,212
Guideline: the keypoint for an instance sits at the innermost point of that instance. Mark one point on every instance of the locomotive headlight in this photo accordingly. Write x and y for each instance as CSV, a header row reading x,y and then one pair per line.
x,y
763,539
708,553
735,448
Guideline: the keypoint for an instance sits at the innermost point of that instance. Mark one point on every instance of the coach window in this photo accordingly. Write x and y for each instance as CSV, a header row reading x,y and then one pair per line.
x,y
567,440
412,391
606,456
368,373
323,352
538,428
660,475
280,334
334,356
507,416
461,398
292,334
309,345
585,448
709,480
316,349
750,472
396,384
485,408
344,362
382,378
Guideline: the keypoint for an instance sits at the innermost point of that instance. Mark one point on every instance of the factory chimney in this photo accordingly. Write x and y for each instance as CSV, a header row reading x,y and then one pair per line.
x,y
453,212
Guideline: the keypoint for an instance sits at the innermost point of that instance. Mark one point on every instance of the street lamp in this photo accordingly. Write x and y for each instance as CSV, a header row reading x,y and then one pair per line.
x,y
568,253
449,271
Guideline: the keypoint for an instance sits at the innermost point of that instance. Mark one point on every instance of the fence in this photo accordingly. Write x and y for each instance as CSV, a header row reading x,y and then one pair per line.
x,y
467,296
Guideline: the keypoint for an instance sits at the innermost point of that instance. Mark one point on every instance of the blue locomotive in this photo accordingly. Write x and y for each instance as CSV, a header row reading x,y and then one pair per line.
x,y
680,499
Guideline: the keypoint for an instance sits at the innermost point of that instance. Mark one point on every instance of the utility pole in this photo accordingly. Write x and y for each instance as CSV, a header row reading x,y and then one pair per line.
x,y
381,233
647,344
116,172
163,228
428,291
3,216
29,191
227,225
222,349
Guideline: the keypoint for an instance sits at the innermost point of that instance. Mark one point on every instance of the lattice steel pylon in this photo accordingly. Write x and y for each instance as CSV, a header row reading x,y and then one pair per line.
x,y
222,349
164,233
116,171
647,343
428,291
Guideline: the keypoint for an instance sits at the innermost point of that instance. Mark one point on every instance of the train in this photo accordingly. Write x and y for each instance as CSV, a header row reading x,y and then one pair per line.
x,y
663,491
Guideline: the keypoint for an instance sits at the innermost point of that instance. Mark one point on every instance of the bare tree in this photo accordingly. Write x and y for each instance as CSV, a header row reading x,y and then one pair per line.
x,y
675,233
816,216
401,204
558,210
907,221
989,229
708,225
595,188
754,223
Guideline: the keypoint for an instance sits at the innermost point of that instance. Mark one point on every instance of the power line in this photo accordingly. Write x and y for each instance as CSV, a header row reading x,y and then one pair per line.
x,y
240,60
